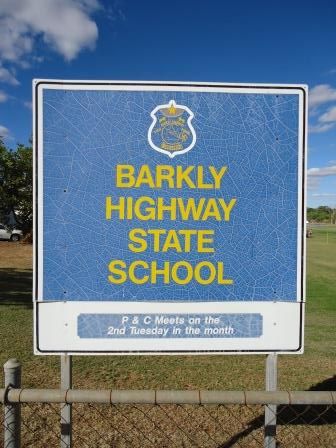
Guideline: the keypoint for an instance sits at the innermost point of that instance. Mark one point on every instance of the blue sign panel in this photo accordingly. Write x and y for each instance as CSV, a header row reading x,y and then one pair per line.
x,y
173,195
169,326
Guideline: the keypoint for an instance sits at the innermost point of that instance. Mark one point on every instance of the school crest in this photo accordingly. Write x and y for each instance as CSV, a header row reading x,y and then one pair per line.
x,y
171,131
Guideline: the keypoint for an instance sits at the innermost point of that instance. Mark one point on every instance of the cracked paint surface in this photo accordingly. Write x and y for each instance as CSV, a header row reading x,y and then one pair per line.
x,y
87,133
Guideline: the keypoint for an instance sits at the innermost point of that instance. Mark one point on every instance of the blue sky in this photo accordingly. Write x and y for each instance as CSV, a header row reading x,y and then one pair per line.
x,y
242,41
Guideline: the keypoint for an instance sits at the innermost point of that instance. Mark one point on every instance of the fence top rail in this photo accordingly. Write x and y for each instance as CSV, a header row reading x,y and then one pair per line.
x,y
198,397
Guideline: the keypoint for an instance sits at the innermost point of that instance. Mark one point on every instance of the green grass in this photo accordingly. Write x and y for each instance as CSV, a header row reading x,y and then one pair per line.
x,y
316,368
321,291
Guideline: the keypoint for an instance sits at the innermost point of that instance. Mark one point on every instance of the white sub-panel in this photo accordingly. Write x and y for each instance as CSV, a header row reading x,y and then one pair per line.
x,y
57,328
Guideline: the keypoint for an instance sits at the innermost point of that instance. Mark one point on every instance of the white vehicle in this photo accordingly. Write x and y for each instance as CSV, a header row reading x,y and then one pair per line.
x,y
7,234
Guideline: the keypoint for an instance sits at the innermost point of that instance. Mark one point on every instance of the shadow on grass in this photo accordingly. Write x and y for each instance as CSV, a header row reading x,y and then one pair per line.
x,y
293,415
16,287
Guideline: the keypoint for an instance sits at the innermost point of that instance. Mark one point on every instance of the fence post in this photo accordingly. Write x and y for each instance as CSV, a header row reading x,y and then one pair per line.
x,y
270,410
12,417
66,409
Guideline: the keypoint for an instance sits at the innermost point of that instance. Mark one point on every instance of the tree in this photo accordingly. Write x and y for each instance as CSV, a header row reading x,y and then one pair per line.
x,y
323,213
16,184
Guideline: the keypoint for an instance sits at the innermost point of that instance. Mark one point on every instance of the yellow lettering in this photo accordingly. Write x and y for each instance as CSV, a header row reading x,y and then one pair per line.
x,y
211,210
155,272
117,207
202,240
179,280
200,179
140,272
131,272
199,278
190,208
169,176
227,207
144,177
182,175
141,242
172,242
217,175
150,211
121,275
165,173
161,208
220,277
187,233
129,206
125,172
156,233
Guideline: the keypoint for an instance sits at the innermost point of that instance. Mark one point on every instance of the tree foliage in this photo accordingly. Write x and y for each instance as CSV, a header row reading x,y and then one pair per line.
x,y
323,213
16,184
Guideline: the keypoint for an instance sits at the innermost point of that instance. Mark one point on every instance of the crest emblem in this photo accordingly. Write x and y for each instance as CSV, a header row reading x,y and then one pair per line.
x,y
171,131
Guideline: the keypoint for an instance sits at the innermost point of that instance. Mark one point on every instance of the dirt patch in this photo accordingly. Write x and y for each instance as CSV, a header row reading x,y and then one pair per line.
x,y
16,256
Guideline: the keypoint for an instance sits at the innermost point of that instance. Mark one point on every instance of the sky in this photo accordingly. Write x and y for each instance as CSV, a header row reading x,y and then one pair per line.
x,y
245,41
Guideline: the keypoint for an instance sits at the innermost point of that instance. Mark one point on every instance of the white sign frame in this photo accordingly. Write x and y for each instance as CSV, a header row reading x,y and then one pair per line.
x,y
58,336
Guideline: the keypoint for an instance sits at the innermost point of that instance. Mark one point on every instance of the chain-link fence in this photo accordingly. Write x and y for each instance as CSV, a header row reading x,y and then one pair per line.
x,y
182,419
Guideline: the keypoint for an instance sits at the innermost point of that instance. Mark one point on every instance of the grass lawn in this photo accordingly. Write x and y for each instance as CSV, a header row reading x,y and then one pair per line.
x,y
315,369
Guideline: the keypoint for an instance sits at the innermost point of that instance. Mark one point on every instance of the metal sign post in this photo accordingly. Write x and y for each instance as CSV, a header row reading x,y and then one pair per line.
x,y
12,417
66,409
270,410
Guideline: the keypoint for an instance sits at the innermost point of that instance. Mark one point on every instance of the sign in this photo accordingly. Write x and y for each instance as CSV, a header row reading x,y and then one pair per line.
x,y
169,217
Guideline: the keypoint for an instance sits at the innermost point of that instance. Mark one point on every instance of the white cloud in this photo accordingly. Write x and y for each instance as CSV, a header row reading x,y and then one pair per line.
x,y
28,104
329,116
321,172
7,76
3,96
325,122
317,128
65,25
4,132
316,175
324,195
321,94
